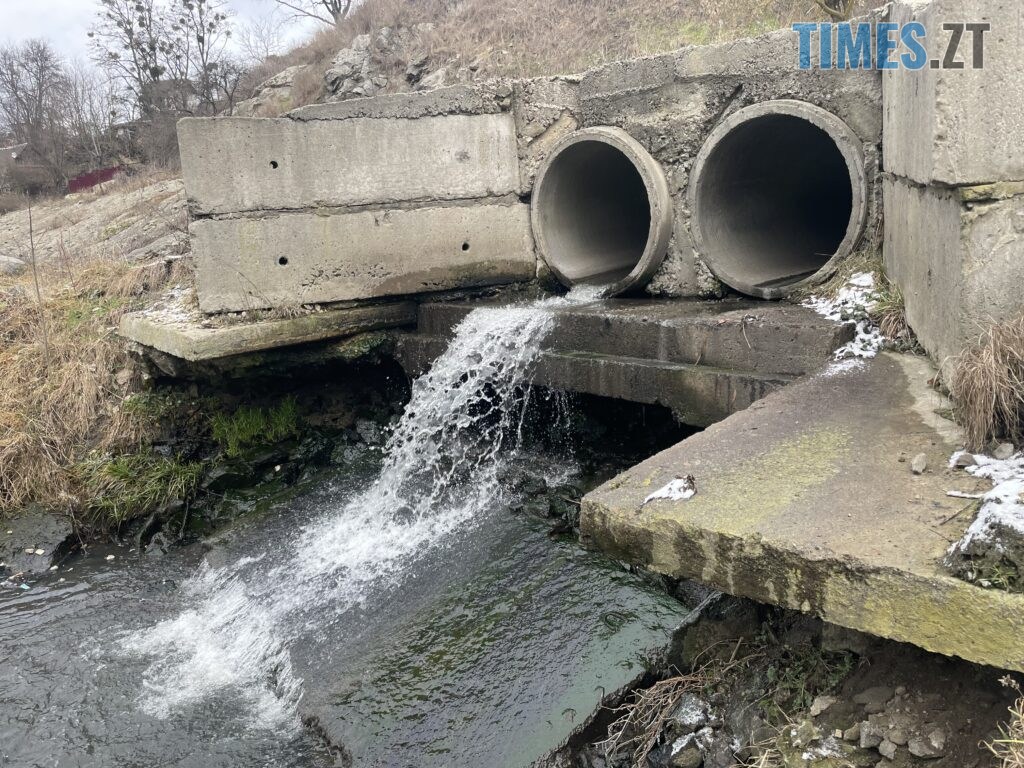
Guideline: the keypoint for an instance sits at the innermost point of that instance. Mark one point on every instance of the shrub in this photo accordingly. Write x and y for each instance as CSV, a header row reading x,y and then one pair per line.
x,y
987,384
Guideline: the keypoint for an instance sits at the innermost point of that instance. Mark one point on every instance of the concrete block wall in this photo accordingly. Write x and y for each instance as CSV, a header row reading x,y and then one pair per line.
x,y
954,177
392,196
378,197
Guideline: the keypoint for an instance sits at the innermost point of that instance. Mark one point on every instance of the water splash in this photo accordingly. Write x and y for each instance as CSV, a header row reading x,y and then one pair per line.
x,y
441,468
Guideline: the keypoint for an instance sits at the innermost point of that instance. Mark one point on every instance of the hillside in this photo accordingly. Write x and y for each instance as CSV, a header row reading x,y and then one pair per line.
x,y
438,42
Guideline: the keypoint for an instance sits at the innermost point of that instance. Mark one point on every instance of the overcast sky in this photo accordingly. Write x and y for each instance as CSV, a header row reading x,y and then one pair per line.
x,y
65,22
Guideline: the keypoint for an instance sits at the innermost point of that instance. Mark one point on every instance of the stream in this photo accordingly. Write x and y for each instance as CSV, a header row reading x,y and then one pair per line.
x,y
394,614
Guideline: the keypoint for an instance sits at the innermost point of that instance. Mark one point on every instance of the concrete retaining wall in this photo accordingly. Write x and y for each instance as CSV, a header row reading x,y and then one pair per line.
x,y
315,257
477,145
954,161
247,164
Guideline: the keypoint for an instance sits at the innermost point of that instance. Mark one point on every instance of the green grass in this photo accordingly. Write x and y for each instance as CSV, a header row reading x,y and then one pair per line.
x,y
251,427
120,488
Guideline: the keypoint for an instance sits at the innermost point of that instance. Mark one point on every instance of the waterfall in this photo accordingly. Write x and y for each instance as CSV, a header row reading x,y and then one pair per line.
x,y
442,462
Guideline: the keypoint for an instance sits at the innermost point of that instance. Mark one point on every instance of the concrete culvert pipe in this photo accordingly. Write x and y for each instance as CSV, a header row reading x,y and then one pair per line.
x,y
777,197
601,211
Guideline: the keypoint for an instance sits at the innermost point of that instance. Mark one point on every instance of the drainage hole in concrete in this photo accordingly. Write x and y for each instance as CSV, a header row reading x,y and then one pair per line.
x,y
465,246
273,164
283,261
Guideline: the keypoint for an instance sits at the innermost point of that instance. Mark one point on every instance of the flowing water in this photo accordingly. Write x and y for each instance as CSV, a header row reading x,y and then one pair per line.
x,y
214,657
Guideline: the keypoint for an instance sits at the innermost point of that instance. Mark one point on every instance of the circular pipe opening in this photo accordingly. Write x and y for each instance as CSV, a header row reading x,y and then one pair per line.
x,y
777,195
601,211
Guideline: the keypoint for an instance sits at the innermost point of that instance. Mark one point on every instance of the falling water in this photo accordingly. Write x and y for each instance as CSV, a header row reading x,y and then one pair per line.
x,y
441,468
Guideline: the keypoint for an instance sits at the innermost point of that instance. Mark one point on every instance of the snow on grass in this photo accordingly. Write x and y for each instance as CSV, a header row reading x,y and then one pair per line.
x,y
1003,506
852,303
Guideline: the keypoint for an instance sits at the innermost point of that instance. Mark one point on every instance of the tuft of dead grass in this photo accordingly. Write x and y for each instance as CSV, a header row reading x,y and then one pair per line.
x,y
1009,748
986,382
635,732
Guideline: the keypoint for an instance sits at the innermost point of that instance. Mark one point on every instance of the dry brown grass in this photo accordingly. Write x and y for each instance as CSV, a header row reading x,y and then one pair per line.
x,y
64,376
987,384
1009,748
639,723
538,37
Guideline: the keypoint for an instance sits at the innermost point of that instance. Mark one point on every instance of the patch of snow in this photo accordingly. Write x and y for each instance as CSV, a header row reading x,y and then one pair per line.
x,y
1003,506
852,303
829,747
680,489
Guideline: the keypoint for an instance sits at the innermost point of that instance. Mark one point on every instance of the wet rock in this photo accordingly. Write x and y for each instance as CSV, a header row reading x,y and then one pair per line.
x,y
1003,451
687,757
930,746
871,735
11,266
370,432
315,449
231,475
805,733
690,716
719,755
34,540
887,749
919,464
852,734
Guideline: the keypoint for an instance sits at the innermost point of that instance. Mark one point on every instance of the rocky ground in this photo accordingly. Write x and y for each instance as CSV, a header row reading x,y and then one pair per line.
x,y
771,689
135,219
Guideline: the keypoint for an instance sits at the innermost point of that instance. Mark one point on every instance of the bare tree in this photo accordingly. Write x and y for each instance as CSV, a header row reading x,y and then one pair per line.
x,y
327,11
34,94
259,40
200,33
129,41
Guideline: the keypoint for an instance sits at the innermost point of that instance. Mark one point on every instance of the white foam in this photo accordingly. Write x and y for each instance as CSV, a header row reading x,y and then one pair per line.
x,y
441,468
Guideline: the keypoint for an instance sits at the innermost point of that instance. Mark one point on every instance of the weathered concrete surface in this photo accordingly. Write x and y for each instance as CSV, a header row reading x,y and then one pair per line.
x,y
487,98
803,501
318,256
959,126
703,360
501,625
733,334
184,336
958,256
671,102
247,164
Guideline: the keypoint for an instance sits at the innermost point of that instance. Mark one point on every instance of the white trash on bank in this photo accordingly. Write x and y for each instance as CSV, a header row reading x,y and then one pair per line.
x,y
680,489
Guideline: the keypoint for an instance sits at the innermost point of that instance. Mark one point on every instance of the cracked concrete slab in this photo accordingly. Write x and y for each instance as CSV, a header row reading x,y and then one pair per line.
x,y
187,336
807,500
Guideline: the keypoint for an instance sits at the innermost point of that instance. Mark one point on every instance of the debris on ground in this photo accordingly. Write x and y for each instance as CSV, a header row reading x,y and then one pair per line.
x,y
991,551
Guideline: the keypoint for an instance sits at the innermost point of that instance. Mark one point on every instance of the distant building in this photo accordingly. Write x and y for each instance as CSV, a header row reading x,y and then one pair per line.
x,y
22,167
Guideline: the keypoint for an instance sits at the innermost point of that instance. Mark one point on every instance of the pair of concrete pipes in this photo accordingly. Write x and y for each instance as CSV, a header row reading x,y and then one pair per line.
x,y
776,196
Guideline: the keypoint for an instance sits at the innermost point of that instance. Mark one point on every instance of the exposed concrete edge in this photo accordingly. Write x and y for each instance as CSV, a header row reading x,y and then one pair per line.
x,y
488,98
419,204
889,603
192,342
